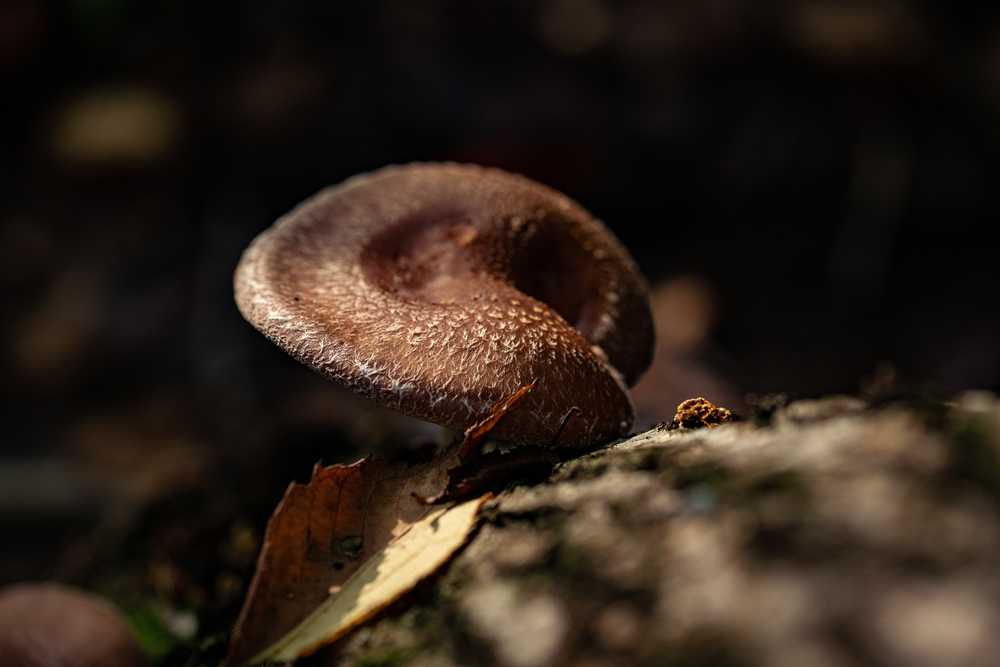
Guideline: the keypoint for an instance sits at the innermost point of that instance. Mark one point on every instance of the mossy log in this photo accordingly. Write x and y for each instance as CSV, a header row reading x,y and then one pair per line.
x,y
836,533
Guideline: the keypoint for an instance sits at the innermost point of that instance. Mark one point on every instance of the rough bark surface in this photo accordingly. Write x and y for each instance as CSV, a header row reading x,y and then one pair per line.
x,y
836,533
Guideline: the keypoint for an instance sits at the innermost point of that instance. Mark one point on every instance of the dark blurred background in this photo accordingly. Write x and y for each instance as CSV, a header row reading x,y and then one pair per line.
x,y
809,187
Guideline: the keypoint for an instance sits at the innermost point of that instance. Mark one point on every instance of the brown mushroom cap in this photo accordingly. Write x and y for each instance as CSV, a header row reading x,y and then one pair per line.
x,y
49,625
439,289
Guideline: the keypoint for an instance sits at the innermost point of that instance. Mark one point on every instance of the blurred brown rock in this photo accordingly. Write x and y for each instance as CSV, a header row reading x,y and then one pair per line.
x,y
49,625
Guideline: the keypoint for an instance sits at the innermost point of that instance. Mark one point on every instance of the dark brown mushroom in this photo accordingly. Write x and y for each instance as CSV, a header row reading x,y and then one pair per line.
x,y
49,625
439,289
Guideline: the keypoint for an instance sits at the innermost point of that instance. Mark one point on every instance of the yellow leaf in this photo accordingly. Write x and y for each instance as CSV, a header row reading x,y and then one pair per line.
x,y
387,575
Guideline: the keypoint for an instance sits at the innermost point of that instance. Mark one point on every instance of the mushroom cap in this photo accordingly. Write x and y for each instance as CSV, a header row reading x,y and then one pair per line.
x,y
49,625
439,290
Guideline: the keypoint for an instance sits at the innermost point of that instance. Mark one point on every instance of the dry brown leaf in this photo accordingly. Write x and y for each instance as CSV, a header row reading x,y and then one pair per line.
x,y
321,533
356,537
408,559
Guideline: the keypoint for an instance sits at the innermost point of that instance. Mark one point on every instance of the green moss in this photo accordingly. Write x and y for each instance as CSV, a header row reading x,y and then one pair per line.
x,y
153,637
701,474
706,648
389,658
787,483
974,458
572,563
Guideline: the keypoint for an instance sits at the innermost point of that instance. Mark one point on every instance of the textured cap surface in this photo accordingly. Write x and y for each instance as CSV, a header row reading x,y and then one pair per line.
x,y
439,290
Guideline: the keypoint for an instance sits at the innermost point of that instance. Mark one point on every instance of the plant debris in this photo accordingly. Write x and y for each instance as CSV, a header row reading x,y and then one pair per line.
x,y
699,413
385,577
324,532
476,434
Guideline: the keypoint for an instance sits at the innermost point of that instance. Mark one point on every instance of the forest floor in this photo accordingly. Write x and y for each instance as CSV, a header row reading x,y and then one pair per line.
x,y
829,532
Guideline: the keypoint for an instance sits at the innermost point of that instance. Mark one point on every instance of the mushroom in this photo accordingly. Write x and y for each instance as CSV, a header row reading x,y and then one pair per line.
x,y
439,290
49,625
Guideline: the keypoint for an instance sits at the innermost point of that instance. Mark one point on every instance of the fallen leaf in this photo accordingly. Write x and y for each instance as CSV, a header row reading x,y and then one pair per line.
x,y
322,533
356,537
407,560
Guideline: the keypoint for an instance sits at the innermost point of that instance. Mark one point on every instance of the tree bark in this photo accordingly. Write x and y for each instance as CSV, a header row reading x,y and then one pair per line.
x,y
836,533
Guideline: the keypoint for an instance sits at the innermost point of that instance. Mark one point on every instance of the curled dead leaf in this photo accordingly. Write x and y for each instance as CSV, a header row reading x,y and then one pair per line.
x,y
325,531
356,537
389,574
